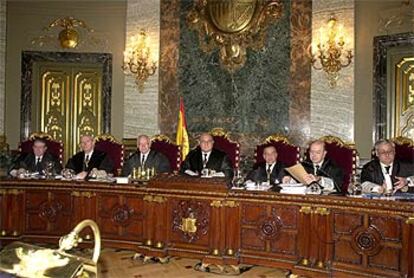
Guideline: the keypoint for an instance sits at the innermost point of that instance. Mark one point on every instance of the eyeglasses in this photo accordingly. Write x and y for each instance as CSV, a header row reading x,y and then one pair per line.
x,y
391,152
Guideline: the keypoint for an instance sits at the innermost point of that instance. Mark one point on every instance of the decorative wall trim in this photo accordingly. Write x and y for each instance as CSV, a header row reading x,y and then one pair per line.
x,y
382,44
3,32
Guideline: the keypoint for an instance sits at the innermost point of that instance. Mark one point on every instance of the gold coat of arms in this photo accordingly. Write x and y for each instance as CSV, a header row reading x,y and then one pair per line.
x,y
233,26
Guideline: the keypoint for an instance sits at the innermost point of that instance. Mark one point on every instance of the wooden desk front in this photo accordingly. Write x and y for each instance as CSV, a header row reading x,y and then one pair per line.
x,y
198,218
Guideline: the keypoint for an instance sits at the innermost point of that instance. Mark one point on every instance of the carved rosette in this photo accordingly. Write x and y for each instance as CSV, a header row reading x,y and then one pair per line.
x,y
122,215
191,209
269,227
366,241
50,210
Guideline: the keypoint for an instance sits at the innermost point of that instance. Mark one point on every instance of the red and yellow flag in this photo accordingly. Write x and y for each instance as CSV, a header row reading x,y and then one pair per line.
x,y
182,135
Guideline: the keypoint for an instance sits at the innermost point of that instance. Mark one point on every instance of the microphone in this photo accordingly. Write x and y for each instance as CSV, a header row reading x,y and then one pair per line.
x,y
324,174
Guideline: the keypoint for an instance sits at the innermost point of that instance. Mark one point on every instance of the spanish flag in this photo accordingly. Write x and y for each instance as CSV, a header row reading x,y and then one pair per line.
x,y
182,135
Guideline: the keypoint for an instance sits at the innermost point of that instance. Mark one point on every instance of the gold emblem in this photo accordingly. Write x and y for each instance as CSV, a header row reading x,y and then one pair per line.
x,y
231,16
188,225
233,26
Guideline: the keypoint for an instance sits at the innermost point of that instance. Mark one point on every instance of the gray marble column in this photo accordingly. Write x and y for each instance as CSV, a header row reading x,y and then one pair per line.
x,y
332,109
141,109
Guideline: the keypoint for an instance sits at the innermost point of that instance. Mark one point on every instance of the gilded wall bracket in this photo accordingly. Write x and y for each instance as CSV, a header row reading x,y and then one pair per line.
x,y
233,26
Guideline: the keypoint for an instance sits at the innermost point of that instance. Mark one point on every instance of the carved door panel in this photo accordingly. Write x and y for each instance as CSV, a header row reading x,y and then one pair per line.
x,y
67,102
120,216
48,213
405,97
270,230
376,243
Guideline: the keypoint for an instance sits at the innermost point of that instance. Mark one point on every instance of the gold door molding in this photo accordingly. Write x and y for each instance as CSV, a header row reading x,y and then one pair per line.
x,y
66,95
68,102
404,98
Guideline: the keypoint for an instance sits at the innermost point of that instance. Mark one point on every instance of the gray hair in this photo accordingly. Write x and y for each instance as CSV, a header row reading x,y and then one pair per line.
x,y
144,136
383,142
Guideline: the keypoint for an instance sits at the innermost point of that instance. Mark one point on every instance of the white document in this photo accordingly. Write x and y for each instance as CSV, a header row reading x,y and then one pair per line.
x,y
190,173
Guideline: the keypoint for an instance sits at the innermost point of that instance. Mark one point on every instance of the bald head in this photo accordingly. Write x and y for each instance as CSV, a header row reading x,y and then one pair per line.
x,y
87,143
206,142
317,151
143,144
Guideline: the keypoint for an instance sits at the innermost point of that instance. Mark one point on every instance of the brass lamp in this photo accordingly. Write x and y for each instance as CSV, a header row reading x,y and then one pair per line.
x,y
137,60
328,52
26,260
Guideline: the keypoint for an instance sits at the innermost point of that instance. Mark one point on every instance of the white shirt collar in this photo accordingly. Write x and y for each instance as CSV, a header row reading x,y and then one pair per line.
x,y
383,168
318,164
90,154
271,166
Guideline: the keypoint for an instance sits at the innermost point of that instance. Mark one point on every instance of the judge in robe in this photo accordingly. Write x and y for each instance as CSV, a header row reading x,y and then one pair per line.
x,y
205,156
89,158
37,161
271,171
385,173
146,158
322,170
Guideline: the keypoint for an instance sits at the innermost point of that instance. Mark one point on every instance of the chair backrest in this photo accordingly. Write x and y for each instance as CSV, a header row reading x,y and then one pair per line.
x,y
223,143
54,147
130,147
344,155
115,150
288,153
164,145
404,149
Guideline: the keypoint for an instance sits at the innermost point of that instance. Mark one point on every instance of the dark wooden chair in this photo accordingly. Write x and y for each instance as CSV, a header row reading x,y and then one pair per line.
x,y
115,150
288,153
54,147
223,143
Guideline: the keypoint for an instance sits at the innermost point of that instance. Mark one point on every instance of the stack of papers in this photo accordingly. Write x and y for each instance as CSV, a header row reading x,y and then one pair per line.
x,y
293,188
264,186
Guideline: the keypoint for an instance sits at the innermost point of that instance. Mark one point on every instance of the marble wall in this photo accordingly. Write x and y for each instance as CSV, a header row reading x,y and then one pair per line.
x,y
332,109
2,63
141,109
270,94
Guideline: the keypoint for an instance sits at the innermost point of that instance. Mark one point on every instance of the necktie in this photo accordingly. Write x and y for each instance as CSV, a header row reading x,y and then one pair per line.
x,y
143,160
269,170
39,167
387,178
315,169
86,162
205,160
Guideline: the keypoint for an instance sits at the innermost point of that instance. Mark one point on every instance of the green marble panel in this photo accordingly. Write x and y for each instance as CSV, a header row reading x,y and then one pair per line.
x,y
255,99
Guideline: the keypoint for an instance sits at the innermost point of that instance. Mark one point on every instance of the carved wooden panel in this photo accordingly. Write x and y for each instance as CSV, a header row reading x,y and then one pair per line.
x,y
200,211
48,212
373,242
269,228
11,204
120,216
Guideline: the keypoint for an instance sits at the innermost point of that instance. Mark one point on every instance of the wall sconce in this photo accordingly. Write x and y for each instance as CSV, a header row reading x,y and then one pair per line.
x,y
137,60
328,52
